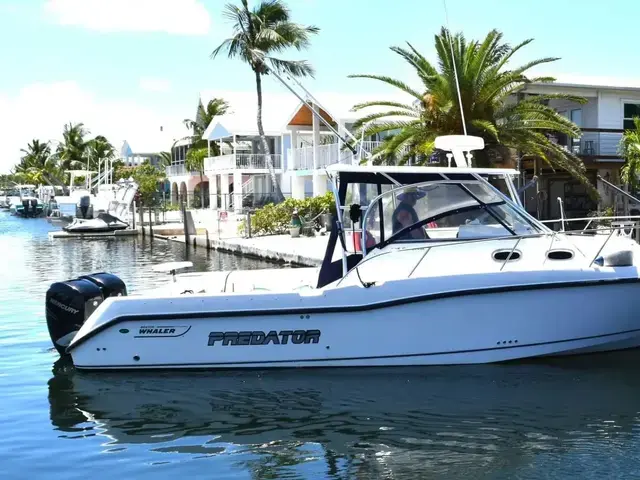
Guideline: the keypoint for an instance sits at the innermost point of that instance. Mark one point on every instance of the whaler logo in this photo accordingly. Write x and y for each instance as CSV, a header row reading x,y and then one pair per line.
x,y
64,307
151,331
283,337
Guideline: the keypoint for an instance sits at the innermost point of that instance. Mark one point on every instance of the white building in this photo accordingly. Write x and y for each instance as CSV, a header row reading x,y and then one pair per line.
x,y
608,111
237,173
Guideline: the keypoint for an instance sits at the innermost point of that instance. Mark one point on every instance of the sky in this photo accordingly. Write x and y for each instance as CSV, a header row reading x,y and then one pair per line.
x,y
126,68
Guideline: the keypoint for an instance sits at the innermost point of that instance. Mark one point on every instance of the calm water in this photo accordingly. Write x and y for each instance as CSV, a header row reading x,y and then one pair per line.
x,y
576,418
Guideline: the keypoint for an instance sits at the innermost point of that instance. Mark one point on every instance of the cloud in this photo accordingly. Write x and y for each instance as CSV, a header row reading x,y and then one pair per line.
x,y
153,84
179,17
64,102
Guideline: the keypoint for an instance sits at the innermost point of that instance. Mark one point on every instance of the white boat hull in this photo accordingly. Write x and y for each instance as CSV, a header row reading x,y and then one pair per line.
x,y
438,329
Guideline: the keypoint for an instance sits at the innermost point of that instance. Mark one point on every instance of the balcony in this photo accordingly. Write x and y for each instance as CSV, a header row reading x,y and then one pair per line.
x,y
178,170
242,161
596,142
328,155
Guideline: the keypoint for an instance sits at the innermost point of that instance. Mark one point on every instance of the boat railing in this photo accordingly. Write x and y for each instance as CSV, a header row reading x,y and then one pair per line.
x,y
629,224
518,238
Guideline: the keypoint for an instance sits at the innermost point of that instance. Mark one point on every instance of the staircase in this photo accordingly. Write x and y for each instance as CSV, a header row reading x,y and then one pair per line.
x,y
248,187
101,179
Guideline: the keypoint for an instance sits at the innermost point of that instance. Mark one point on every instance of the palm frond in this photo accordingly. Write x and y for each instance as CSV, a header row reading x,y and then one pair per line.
x,y
393,82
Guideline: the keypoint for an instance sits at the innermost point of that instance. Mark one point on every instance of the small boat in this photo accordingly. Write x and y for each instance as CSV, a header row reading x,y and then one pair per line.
x,y
448,268
104,222
5,199
27,204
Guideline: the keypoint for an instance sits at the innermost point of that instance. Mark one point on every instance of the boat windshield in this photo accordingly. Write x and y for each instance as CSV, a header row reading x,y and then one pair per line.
x,y
443,210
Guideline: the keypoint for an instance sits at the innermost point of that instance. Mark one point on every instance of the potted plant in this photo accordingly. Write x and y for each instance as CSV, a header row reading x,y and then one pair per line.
x,y
295,225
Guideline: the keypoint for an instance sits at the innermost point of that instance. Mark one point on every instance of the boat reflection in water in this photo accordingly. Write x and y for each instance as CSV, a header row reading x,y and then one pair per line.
x,y
471,420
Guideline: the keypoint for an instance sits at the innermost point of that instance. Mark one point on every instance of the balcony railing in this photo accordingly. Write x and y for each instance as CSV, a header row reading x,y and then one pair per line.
x,y
328,155
596,142
245,161
180,169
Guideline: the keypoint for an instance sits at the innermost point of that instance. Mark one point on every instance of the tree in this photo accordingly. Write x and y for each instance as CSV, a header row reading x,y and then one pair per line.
x,y
165,159
38,165
71,150
97,150
630,151
204,116
195,162
486,88
147,177
257,35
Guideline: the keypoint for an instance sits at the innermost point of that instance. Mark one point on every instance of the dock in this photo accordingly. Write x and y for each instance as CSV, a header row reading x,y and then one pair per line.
x,y
117,233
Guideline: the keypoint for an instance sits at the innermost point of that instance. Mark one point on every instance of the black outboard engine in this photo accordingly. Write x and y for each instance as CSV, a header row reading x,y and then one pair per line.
x,y
70,303
85,202
34,203
25,205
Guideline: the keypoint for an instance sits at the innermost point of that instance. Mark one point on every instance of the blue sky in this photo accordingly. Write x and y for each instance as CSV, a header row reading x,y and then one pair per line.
x,y
125,66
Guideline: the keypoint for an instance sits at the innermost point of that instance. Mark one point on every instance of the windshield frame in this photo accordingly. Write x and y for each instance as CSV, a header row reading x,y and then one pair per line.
x,y
479,205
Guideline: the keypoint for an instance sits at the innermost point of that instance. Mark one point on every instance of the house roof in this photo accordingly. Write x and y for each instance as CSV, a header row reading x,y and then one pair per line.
x,y
280,109
339,107
591,83
243,112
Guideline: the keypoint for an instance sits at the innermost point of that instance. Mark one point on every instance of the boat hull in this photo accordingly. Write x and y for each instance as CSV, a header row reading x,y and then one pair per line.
x,y
460,328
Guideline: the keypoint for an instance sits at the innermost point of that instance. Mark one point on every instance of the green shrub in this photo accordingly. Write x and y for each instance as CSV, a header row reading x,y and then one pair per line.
x,y
274,219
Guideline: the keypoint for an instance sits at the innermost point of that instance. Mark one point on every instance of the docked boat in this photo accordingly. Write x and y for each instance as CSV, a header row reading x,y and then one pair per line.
x,y
26,204
104,222
449,269
114,218
5,199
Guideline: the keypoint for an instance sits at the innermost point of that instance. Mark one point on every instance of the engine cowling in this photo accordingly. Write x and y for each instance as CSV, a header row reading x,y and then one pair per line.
x,y
69,304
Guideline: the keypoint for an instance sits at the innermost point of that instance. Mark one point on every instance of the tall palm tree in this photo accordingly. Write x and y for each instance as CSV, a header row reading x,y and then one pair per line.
x,y
487,88
258,34
195,163
204,116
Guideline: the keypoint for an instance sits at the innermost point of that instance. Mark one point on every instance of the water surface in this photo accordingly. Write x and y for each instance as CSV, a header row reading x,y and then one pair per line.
x,y
568,418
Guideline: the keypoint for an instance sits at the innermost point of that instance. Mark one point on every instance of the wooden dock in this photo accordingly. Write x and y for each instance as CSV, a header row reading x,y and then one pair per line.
x,y
116,233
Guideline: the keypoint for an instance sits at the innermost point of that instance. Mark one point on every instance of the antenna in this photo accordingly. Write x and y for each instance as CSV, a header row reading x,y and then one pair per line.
x,y
455,70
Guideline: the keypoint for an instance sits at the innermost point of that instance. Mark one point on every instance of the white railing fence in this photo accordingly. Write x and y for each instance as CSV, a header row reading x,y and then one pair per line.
x,y
176,170
247,161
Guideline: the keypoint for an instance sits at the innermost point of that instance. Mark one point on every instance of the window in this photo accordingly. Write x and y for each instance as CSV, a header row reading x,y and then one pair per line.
x,y
443,210
630,110
576,117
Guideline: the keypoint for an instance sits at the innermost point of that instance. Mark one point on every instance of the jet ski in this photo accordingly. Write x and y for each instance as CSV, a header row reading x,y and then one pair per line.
x,y
105,222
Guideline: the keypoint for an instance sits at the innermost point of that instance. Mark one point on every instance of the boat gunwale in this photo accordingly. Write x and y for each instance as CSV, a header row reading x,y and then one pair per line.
x,y
348,308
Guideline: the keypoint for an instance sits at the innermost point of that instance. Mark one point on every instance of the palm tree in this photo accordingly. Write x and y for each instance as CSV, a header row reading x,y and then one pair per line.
x,y
38,165
97,150
486,89
257,35
630,151
204,116
71,150
195,163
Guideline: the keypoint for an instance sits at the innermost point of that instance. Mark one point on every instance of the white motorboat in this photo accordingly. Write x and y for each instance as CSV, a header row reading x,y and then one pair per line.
x,y
6,198
470,277
116,216
104,222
